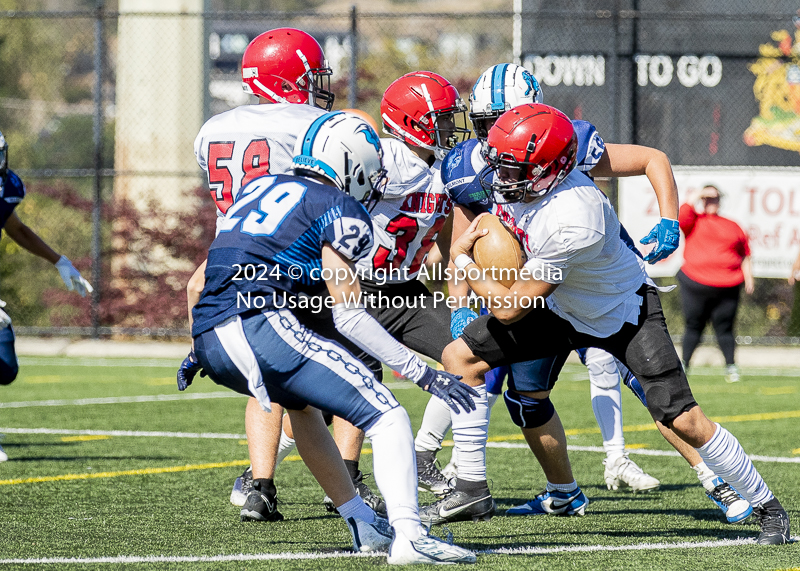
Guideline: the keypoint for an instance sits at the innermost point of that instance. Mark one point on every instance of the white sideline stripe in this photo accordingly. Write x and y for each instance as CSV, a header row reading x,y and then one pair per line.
x,y
117,400
343,554
70,432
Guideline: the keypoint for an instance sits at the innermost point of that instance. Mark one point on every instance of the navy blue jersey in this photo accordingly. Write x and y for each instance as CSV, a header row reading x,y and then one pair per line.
x,y
12,191
270,246
463,164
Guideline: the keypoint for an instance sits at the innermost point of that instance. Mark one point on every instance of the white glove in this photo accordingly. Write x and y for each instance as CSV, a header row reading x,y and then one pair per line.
x,y
5,320
72,277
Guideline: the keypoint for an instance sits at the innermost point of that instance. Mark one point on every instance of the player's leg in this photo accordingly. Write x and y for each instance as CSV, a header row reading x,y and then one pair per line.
x,y
263,434
648,352
423,326
696,306
9,366
734,506
331,379
530,408
619,469
723,315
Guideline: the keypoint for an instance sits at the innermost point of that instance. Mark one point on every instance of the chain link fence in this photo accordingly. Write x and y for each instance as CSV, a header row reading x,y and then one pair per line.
x,y
100,107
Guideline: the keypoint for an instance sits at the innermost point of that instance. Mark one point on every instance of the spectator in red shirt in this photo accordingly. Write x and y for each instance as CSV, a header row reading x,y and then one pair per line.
x,y
716,264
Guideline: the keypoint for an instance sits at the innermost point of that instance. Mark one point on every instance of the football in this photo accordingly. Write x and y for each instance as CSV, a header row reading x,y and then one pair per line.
x,y
499,251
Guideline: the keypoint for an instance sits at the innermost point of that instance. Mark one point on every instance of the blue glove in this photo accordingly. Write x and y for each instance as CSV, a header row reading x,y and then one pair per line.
x,y
460,318
449,388
667,236
634,385
188,369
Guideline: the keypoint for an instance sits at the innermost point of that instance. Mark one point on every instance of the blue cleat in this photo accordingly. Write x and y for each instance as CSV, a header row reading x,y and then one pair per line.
x,y
734,506
554,503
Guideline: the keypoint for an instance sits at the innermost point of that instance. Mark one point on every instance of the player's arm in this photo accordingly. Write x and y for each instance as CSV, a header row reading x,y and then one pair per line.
x,y
634,160
194,289
353,321
457,288
30,240
514,302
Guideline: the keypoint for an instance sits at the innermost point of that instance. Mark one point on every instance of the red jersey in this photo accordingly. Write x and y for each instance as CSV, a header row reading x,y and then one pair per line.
x,y
714,249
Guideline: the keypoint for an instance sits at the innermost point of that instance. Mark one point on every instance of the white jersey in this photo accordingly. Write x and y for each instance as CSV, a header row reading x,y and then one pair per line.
x,y
247,142
408,219
571,238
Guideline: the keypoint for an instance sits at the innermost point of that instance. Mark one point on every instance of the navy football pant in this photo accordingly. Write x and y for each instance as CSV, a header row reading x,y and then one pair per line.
x,y
273,357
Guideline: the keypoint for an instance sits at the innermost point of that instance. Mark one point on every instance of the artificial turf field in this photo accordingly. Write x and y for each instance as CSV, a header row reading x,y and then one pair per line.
x,y
78,489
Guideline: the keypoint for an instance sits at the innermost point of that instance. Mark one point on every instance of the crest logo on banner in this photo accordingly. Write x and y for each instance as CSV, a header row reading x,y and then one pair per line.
x,y
777,89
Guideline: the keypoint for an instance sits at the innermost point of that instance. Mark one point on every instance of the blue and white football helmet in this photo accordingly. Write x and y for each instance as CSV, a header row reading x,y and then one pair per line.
x,y
498,89
346,150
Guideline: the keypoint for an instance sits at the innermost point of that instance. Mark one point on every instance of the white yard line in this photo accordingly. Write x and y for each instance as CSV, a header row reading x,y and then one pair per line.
x,y
231,436
532,550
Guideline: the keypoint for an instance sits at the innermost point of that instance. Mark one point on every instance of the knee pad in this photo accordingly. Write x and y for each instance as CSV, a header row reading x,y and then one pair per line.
x,y
603,371
528,412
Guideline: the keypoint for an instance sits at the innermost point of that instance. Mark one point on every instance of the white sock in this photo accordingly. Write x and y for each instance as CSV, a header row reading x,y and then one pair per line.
x,y
395,468
435,424
726,457
285,447
470,431
606,400
357,509
705,475
566,488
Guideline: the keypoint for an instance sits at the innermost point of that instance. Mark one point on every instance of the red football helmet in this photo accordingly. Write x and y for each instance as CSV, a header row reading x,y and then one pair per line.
x,y
287,66
535,139
421,108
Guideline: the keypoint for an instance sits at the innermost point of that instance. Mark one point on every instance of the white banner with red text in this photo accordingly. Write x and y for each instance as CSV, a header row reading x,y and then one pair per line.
x,y
765,202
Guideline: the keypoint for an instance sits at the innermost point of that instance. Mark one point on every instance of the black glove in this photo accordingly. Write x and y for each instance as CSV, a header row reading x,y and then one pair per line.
x,y
449,388
188,369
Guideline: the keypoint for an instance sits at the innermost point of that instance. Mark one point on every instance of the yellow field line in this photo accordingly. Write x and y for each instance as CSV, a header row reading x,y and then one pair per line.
x,y
142,471
644,427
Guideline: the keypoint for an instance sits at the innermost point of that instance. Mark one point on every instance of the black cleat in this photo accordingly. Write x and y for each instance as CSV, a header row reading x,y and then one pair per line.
x,y
371,499
774,522
261,506
459,506
429,477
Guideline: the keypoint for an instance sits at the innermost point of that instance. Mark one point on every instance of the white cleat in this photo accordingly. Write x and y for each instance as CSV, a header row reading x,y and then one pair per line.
x,y
3,455
426,550
624,472
375,536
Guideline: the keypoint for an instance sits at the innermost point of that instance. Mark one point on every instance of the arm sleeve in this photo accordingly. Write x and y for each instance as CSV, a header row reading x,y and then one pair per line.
x,y
590,145
364,330
351,233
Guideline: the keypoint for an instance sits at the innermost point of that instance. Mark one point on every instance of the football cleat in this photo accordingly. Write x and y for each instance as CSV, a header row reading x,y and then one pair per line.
x,y
458,506
241,487
429,478
554,503
375,536
774,523
623,472
260,506
734,506
3,455
370,498
426,549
